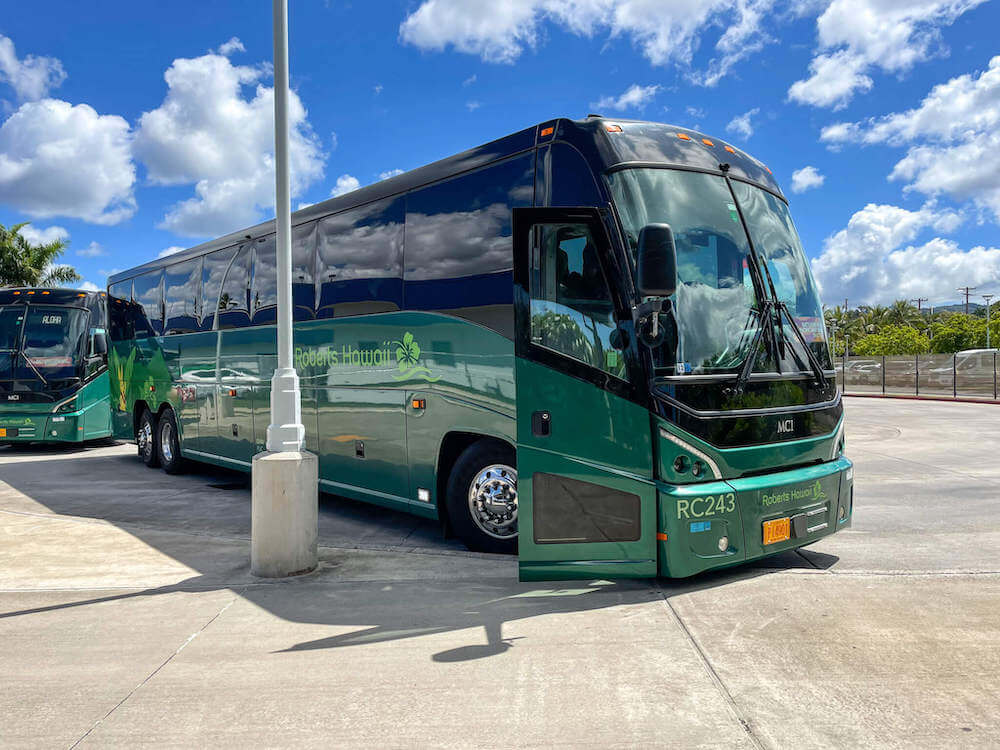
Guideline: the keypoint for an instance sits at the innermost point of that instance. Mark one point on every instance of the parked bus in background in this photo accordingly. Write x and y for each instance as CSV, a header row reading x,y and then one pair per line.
x,y
53,366
597,342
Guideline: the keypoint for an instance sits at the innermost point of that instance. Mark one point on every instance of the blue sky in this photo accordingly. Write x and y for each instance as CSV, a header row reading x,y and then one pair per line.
x,y
132,131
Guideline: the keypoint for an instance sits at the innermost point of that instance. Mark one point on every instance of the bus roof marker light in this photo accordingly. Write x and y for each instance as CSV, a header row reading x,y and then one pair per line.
x,y
684,136
613,128
707,142
548,131
730,149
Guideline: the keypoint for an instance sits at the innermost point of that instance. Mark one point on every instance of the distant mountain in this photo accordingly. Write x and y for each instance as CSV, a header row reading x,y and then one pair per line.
x,y
974,307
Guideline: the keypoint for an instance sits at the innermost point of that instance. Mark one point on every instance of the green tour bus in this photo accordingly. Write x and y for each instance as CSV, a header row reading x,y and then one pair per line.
x,y
596,342
53,366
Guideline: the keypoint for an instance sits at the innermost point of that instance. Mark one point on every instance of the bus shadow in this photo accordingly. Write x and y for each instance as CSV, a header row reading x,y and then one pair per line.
x,y
364,597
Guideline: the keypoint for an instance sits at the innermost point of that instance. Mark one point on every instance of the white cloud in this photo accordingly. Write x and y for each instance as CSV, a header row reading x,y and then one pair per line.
x,y
856,36
210,132
93,250
57,159
695,112
634,97
806,179
473,105
233,45
389,173
89,286
345,184
333,141
31,77
470,80
955,137
169,251
741,125
665,32
867,263
377,88
38,236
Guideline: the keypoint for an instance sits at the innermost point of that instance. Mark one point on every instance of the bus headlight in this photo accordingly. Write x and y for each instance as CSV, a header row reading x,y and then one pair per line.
x,y
67,405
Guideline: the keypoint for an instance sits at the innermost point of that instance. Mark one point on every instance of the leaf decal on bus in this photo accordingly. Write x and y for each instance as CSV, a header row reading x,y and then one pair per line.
x,y
408,360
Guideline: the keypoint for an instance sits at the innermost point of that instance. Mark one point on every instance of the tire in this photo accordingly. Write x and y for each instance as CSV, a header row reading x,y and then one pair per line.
x,y
490,466
168,443
145,439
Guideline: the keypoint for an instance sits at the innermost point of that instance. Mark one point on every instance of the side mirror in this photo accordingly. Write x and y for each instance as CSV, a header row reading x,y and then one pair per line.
x,y
99,344
657,261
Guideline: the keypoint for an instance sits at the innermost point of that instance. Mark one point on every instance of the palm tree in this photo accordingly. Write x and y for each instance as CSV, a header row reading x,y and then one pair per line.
x,y
25,264
902,313
872,318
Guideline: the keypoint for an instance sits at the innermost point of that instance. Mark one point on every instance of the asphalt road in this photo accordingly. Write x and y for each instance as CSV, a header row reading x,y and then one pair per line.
x,y
128,617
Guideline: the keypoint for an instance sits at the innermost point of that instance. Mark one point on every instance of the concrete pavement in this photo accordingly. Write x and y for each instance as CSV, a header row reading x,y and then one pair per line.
x,y
128,617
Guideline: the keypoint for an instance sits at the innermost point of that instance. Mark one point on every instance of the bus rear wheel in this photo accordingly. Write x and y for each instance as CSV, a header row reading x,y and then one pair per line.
x,y
168,443
482,498
145,439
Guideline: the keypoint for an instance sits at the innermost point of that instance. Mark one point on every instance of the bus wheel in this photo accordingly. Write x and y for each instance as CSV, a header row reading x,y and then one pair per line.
x,y
145,439
168,444
482,498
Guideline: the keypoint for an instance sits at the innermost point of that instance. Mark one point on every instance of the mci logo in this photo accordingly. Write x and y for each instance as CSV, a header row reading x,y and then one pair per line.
x,y
786,426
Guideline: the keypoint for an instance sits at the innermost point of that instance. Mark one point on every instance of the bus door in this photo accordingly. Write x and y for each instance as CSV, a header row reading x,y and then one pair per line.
x,y
586,499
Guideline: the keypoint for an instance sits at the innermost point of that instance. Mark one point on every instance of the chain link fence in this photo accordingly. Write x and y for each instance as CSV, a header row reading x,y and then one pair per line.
x,y
962,375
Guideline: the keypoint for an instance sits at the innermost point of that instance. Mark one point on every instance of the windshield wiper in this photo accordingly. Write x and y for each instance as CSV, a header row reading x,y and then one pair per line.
x,y
814,364
767,309
34,369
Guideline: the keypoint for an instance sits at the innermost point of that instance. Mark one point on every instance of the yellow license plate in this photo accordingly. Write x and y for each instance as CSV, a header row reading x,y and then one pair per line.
x,y
777,530
3,432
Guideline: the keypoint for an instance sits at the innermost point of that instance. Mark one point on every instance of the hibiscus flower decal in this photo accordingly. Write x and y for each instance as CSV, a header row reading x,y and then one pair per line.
x,y
407,353
408,361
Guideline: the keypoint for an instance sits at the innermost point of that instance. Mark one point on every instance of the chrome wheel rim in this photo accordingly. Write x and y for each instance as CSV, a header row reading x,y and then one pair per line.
x,y
145,437
493,501
166,441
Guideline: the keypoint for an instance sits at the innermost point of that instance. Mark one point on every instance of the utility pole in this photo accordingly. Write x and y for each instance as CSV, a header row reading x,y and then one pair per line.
x,y
284,499
988,297
967,290
919,301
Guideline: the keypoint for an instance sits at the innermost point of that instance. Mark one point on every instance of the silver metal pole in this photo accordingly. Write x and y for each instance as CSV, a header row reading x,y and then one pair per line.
x,y
286,432
988,297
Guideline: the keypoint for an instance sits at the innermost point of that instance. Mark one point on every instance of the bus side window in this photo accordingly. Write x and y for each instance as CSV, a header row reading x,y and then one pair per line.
x,y
119,302
181,294
147,293
264,289
212,276
303,271
234,302
571,307
359,260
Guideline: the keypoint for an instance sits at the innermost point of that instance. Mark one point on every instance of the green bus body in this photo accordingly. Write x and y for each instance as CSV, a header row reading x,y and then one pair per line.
x,y
57,401
625,468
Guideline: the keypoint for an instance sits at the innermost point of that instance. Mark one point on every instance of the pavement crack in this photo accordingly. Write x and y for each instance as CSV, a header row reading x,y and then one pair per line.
x,y
731,704
152,674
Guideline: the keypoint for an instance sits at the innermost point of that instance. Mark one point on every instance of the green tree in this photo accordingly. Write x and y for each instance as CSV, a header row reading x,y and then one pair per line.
x,y
958,331
892,339
902,313
871,318
23,263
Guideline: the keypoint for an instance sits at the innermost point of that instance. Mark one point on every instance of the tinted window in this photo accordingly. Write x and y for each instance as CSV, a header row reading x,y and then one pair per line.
x,y
213,273
96,305
571,308
303,260
119,302
565,178
147,293
264,294
458,237
359,260
182,295
234,301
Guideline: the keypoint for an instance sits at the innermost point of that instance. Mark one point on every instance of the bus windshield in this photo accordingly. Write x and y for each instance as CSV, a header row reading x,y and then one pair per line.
x,y
717,310
10,327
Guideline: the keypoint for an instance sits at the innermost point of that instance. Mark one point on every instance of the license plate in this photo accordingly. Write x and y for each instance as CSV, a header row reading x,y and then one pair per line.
x,y
3,432
777,530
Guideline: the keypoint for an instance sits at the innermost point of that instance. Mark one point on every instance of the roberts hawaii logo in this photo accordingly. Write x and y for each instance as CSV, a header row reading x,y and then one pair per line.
x,y
405,352
812,492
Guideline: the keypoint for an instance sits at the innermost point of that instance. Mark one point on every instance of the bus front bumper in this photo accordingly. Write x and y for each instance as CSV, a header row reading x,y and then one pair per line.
x,y
27,427
719,524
